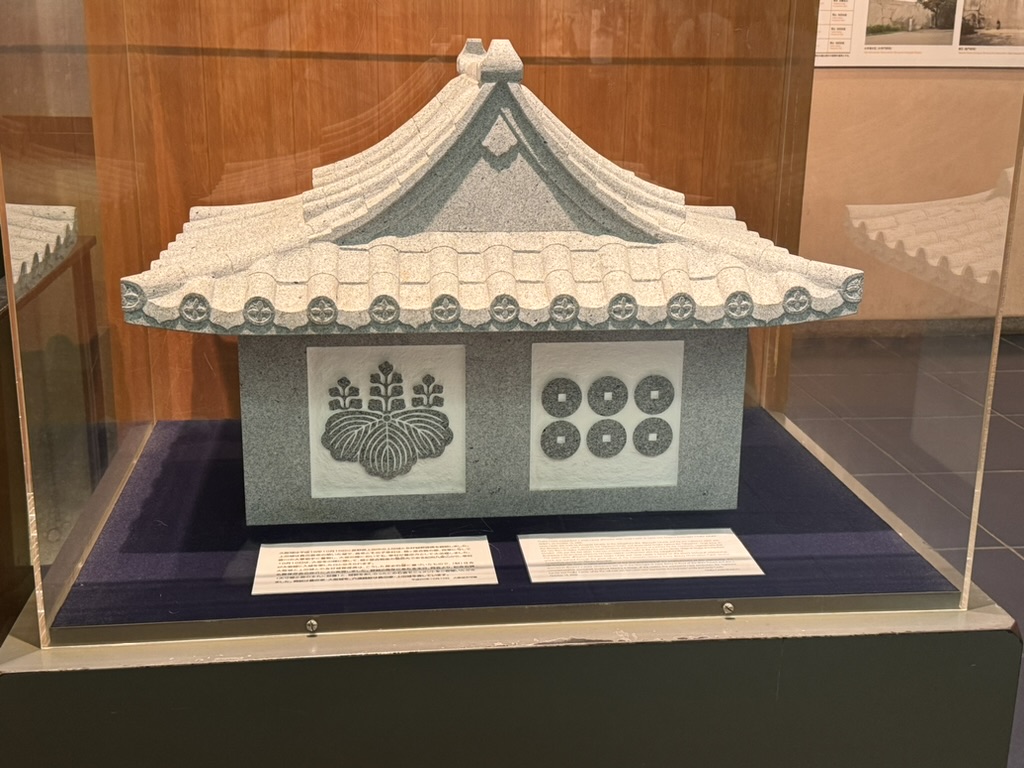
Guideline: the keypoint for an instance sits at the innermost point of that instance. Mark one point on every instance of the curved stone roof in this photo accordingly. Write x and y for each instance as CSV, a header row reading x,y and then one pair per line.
x,y
483,212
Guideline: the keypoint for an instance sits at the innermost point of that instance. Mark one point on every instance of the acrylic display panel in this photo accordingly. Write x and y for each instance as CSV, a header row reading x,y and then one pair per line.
x,y
133,113
898,397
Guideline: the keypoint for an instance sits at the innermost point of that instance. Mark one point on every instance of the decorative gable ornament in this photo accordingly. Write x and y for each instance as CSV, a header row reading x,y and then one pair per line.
x,y
431,253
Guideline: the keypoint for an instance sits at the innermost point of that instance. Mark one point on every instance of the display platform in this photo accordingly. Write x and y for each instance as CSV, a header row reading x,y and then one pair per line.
x,y
176,549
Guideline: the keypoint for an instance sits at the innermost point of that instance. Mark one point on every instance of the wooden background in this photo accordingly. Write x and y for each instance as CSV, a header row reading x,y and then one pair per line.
x,y
199,102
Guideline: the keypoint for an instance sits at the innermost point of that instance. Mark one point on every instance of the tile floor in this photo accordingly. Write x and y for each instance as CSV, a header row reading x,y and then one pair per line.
x,y
904,416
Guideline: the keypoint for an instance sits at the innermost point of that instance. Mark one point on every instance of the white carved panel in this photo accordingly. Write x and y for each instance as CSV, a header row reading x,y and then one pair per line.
x,y
394,408
605,414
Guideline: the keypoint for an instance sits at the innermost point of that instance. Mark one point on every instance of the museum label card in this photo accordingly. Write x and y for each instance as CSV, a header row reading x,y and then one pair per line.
x,y
612,556
386,564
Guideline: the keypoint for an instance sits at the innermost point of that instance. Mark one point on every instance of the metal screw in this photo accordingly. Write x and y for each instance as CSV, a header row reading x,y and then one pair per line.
x,y
727,608
312,626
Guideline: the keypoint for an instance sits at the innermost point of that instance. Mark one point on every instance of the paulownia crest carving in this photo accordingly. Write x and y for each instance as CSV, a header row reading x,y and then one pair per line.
x,y
387,438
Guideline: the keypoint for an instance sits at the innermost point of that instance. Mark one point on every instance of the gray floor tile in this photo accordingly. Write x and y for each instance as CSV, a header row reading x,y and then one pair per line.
x,y
944,353
1008,394
1002,507
851,449
1005,445
969,383
802,406
888,395
945,444
1002,500
1018,419
926,445
933,518
1011,353
1000,573
955,487
841,355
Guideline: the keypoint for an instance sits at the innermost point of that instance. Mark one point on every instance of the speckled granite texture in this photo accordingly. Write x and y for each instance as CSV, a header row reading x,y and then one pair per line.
x,y
276,429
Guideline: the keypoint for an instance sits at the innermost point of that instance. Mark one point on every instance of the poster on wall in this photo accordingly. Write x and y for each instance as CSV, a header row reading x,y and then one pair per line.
x,y
920,33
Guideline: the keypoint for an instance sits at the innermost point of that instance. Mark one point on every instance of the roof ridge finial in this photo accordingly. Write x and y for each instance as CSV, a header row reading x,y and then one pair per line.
x,y
469,60
498,64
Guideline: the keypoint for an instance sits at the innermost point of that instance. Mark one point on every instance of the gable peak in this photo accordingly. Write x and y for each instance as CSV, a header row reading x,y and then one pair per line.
x,y
498,64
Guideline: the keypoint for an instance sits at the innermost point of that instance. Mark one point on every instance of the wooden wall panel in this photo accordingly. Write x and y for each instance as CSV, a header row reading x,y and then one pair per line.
x,y
119,204
667,98
417,41
743,113
334,41
232,105
171,135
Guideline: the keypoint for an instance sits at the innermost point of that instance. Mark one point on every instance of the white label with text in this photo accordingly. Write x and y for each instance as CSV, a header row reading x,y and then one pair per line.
x,y
611,556
387,564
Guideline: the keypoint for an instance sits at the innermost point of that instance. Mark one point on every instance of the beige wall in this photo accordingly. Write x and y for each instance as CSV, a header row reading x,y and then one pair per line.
x,y
889,136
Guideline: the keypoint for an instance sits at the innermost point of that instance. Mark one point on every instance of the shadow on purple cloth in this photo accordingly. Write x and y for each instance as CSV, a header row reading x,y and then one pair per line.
x,y
176,547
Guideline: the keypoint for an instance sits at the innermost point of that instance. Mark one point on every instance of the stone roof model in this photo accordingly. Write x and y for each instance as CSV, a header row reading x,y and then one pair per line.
x,y
482,212
955,243
41,237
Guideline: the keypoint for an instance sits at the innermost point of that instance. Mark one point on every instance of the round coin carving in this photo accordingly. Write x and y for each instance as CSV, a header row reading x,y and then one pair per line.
x,y
654,394
321,311
384,310
681,307
132,297
194,308
796,301
852,289
564,308
652,437
622,308
259,311
560,440
606,438
607,396
504,309
445,309
739,305
561,397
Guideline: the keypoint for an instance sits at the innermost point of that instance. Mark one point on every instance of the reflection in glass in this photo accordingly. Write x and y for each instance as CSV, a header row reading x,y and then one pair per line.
x,y
955,244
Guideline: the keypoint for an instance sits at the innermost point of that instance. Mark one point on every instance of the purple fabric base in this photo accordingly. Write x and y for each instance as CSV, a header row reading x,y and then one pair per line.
x,y
176,547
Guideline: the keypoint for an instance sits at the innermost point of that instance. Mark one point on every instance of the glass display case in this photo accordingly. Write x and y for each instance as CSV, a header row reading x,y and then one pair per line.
x,y
157,510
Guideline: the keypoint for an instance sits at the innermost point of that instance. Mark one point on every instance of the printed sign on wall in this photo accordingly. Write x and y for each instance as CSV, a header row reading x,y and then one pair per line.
x,y
920,33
